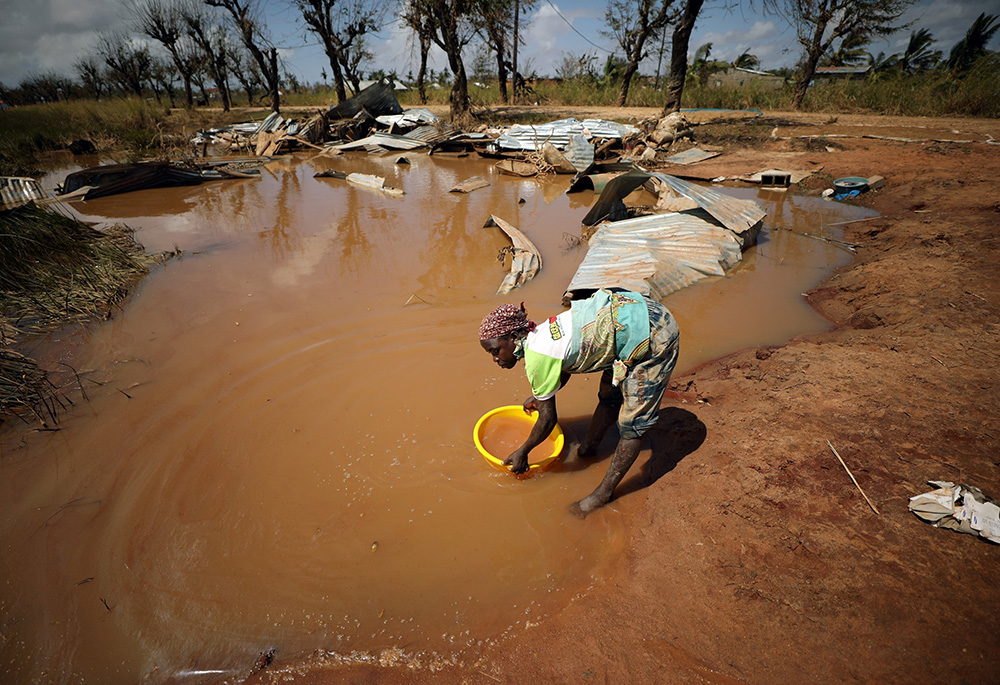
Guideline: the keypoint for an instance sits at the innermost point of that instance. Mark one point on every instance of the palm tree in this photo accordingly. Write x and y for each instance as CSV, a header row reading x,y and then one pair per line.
x,y
746,60
882,62
973,46
918,55
850,53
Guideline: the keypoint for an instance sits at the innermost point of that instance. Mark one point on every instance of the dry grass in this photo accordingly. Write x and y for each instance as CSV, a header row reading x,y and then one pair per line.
x,y
55,270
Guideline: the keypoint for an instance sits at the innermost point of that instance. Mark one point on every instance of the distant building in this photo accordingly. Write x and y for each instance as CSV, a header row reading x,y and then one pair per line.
x,y
738,77
841,72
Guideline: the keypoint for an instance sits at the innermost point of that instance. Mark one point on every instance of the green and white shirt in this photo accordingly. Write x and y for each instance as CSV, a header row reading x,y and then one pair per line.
x,y
591,336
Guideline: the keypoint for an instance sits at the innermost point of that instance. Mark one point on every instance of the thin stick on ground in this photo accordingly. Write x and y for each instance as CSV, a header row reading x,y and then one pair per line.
x,y
853,478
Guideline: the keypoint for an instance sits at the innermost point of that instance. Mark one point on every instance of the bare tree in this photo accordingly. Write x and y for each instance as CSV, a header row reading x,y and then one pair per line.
x,y
245,71
679,42
420,25
212,40
162,21
495,23
88,68
818,23
47,87
342,26
128,63
631,23
451,27
246,16
161,78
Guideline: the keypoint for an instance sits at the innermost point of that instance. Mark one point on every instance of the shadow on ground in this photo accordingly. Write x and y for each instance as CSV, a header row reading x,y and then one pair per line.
x,y
677,433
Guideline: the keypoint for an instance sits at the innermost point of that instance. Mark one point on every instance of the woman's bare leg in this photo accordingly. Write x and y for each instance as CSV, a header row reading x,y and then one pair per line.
x,y
604,416
625,455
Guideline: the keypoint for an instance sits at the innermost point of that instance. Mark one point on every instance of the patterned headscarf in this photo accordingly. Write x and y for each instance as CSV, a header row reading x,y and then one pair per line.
x,y
503,320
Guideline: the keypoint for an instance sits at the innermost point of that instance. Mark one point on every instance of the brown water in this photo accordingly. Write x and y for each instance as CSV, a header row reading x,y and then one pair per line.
x,y
277,450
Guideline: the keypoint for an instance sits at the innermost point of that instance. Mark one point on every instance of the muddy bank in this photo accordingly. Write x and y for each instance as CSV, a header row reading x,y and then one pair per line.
x,y
754,558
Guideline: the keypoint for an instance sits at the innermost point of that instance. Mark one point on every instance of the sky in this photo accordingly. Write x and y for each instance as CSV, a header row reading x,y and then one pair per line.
x,y
43,36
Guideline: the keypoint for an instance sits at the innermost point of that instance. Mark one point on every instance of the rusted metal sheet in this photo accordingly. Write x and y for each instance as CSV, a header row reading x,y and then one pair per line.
x,y
743,217
515,167
609,205
470,184
595,182
526,261
691,156
433,134
657,254
19,190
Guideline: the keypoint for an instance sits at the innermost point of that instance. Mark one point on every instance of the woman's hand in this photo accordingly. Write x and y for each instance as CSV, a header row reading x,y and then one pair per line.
x,y
517,461
530,405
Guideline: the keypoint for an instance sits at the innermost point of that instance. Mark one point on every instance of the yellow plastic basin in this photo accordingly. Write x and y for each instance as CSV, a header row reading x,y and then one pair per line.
x,y
510,425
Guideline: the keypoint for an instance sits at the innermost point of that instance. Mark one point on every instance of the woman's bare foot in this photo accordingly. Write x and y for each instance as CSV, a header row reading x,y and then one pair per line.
x,y
588,504
586,450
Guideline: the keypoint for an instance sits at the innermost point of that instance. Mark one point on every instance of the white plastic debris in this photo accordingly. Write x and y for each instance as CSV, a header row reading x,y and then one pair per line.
x,y
963,508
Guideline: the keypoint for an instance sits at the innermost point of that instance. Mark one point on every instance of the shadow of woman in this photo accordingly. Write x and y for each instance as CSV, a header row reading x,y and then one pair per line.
x,y
677,433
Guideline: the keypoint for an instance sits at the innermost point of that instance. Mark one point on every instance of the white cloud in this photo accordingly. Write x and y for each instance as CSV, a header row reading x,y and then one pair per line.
x,y
764,39
548,36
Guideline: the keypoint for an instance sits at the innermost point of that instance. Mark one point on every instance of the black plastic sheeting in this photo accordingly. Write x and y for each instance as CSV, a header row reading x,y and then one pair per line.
x,y
124,178
377,99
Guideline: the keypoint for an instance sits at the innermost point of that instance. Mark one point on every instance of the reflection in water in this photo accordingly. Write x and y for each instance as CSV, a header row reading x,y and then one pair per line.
x,y
291,463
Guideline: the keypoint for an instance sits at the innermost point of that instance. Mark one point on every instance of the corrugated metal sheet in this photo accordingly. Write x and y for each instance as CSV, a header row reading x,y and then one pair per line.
x,y
526,261
559,133
411,117
691,156
19,190
125,178
272,123
433,133
742,217
389,141
657,254
580,152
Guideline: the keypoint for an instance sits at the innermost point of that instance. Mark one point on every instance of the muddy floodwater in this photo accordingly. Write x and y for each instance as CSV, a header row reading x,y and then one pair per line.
x,y
276,450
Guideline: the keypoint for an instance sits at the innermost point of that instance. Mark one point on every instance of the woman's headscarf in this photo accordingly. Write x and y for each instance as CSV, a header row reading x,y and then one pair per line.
x,y
504,320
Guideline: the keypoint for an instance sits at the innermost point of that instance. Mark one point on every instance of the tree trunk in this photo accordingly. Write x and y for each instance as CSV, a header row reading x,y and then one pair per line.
x,y
814,51
513,51
678,56
338,75
425,46
802,84
630,71
272,80
459,98
502,75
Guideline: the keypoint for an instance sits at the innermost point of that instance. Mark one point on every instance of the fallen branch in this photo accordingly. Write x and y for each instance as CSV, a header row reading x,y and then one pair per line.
x,y
853,478
842,244
854,221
